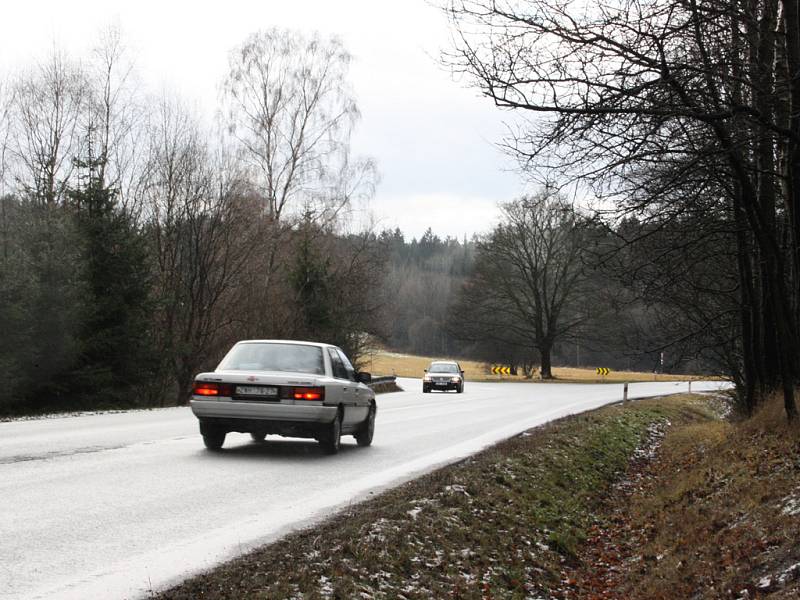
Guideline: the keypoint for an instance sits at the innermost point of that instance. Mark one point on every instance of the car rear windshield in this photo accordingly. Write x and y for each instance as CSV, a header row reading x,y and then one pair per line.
x,y
290,358
443,368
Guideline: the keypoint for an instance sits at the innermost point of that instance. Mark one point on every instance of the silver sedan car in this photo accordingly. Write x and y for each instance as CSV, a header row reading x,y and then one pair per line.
x,y
288,388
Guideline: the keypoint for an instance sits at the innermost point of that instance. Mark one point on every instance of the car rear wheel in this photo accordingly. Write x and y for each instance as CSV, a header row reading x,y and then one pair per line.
x,y
364,437
214,439
258,437
333,437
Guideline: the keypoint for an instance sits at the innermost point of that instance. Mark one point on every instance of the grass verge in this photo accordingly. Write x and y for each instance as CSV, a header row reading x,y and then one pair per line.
x,y
503,524
716,514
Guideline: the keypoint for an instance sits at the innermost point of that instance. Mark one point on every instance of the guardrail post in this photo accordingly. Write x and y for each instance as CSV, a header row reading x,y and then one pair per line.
x,y
690,386
625,392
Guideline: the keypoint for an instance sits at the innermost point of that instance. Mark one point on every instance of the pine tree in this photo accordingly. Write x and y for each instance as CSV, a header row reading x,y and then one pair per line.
x,y
310,280
115,355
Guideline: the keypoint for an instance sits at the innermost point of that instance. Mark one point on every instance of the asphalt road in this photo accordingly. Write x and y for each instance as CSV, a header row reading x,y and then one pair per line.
x,y
117,505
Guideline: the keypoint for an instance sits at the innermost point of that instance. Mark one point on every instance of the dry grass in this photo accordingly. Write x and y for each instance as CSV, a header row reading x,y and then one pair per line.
x,y
406,365
380,362
717,515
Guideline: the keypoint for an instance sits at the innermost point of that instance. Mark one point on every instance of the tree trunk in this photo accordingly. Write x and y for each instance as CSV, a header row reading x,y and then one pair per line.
x,y
791,15
545,352
764,74
773,268
786,351
184,378
751,362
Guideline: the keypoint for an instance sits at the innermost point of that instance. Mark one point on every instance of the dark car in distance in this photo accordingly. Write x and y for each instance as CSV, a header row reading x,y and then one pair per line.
x,y
443,375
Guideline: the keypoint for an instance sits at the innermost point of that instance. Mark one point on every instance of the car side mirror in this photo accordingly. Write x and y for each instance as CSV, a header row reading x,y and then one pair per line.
x,y
364,377
462,372
425,370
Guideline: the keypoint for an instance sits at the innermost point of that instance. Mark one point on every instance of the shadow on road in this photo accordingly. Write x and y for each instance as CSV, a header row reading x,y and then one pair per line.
x,y
276,449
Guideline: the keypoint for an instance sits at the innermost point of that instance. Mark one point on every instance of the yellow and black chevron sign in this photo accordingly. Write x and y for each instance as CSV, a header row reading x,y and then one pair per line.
x,y
501,370
602,371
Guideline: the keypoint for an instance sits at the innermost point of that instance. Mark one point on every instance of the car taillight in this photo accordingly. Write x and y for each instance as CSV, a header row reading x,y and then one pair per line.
x,y
210,388
308,393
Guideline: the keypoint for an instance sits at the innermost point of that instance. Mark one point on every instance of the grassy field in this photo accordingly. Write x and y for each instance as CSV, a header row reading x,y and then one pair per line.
x,y
406,365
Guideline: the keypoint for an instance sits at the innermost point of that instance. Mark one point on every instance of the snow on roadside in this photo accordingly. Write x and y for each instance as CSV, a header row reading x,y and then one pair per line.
x,y
791,504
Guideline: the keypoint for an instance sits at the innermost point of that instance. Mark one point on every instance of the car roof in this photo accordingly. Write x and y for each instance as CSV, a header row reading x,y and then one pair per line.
x,y
444,362
298,342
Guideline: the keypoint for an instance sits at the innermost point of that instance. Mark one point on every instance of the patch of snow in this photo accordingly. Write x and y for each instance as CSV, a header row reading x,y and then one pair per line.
x,y
325,586
790,574
419,505
377,531
87,413
791,504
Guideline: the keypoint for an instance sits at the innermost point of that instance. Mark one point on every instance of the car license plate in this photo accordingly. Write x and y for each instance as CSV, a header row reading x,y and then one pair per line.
x,y
256,390
441,383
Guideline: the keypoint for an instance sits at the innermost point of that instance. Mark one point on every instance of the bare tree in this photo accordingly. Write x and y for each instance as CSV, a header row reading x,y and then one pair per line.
x,y
201,240
626,88
5,107
6,100
47,105
289,106
115,117
527,276
288,102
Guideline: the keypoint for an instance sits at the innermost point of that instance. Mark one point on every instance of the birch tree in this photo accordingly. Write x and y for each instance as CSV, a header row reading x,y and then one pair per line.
x,y
45,133
288,102
115,116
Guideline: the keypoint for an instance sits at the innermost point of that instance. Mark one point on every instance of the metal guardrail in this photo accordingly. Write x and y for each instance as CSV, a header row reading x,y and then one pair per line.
x,y
383,379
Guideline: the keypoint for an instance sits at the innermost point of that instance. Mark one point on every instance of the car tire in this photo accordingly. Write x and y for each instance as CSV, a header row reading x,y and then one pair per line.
x,y
364,437
214,439
258,437
425,389
460,389
333,436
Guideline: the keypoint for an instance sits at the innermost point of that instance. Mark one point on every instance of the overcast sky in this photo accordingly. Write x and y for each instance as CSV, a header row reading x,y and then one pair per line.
x,y
433,139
